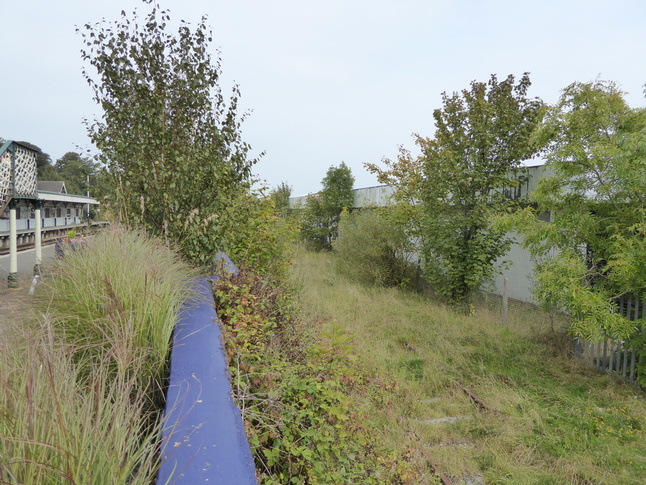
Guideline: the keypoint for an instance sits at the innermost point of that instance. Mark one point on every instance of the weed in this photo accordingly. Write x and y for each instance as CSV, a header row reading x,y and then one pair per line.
x,y
311,414
546,427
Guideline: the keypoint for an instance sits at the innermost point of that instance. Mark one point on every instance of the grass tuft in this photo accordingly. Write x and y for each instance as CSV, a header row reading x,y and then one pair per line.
x,y
120,295
82,379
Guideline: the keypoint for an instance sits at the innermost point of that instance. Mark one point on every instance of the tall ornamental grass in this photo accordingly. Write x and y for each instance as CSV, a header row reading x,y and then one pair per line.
x,y
82,379
57,426
121,293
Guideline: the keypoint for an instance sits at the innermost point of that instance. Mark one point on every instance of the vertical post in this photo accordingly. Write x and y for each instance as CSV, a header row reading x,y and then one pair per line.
x,y
37,242
505,301
87,194
13,246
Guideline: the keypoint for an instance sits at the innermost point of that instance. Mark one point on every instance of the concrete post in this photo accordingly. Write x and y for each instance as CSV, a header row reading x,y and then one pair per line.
x,y
37,241
505,301
13,247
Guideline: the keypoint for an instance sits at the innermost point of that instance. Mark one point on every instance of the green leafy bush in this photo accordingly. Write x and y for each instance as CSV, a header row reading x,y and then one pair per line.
x,y
373,249
256,235
296,389
320,217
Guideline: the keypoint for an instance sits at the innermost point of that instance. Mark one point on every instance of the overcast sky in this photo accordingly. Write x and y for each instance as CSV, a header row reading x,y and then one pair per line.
x,y
328,81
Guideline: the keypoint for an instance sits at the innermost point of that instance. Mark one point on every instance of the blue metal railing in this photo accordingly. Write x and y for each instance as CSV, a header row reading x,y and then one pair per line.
x,y
203,438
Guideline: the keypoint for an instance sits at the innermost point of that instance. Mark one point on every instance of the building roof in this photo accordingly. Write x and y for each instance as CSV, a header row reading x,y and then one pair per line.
x,y
69,198
51,186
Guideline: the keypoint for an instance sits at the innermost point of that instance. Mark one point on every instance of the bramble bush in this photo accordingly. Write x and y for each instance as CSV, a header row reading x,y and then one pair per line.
x,y
296,387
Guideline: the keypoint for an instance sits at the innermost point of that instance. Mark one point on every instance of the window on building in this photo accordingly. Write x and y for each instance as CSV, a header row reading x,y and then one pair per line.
x,y
59,212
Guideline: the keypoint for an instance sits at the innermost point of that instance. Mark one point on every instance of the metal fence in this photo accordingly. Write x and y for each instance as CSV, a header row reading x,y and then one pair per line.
x,y
612,355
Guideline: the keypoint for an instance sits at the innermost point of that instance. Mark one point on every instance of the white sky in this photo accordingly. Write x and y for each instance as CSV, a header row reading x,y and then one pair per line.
x,y
328,81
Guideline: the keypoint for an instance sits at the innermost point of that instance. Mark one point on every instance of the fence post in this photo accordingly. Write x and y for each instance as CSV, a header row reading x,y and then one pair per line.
x,y
505,301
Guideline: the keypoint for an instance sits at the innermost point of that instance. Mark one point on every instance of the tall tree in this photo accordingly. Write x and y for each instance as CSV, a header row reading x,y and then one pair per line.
x,y
322,213
280,195
593,248
77,172
169,139
464,176
483,134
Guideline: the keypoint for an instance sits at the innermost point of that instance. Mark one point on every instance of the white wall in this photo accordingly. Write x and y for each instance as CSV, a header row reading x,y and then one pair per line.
x,y
519,274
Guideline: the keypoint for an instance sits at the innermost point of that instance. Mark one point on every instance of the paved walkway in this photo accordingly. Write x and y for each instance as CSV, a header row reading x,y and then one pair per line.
x,y
26,262
14,301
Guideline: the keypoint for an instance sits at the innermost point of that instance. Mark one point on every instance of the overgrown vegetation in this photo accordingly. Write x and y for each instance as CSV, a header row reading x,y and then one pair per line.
x,y
591,251
280,195
312,414
82,379
319,218
257,235
548,418
373,249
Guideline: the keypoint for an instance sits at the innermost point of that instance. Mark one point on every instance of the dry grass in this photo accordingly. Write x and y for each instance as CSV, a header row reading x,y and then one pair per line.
x,y
553,420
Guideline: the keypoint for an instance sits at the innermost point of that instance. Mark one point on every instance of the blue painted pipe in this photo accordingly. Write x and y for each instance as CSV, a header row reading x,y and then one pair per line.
x,y
203,438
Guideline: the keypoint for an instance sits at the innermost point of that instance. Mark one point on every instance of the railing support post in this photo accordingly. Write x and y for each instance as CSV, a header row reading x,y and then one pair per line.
x,y
37,239
13,246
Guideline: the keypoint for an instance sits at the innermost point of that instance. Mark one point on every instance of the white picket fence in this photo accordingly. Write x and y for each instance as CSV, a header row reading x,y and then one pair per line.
x,y
616,356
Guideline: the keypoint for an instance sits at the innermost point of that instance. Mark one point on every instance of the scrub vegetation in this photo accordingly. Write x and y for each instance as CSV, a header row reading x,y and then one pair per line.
x,y
312,413
341,373
546,418
82,377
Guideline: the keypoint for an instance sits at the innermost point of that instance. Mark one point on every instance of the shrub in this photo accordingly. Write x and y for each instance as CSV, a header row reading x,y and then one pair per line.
x,y
255,234
373,249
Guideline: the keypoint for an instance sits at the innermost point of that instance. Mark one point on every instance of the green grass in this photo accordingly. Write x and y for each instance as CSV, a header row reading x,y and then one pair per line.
x,y
82,378
551,420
